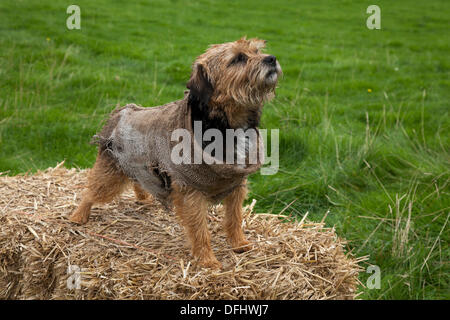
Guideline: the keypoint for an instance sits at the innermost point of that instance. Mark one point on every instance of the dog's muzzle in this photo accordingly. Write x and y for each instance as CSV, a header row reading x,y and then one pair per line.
x,y
274,69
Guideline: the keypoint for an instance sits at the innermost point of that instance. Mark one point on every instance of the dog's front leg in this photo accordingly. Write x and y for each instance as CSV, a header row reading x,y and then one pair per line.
x,y
233,219
191,207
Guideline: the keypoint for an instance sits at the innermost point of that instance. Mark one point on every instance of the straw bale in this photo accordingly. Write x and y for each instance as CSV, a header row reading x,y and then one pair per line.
x,y
137,250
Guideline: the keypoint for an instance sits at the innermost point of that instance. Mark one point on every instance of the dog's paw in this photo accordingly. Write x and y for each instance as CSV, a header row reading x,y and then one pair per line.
x,y
78,218
242,246
210,263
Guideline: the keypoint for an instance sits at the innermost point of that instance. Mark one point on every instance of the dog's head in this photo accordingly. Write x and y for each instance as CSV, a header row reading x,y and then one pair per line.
x,y
235,73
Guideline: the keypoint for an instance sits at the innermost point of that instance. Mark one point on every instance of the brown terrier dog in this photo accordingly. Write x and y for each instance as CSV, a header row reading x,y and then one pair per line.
x,y
228,86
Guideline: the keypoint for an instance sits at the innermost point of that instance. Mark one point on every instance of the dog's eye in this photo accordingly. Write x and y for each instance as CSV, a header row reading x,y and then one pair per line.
x,y
240,58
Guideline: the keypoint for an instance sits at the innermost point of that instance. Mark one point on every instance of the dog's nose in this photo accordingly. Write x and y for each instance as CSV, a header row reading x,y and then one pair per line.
x,y
270,60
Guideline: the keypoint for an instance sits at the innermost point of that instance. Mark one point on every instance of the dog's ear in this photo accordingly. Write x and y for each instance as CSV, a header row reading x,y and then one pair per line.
x,y
199,84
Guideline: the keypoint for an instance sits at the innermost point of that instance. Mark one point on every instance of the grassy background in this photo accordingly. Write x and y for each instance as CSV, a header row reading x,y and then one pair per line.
x,y
363,114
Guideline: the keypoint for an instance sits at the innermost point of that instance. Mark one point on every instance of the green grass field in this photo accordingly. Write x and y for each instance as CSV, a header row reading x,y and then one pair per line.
x,y
363,114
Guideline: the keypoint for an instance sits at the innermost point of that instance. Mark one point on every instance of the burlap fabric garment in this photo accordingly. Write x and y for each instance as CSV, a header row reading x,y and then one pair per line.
x,y
139,142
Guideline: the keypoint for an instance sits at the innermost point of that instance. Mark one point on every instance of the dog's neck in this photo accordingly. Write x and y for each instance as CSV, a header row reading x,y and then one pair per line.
x,y
223,116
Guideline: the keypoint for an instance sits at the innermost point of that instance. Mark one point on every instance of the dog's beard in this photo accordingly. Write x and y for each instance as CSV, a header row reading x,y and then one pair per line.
x,y
271,75
264,84
265,78
271,78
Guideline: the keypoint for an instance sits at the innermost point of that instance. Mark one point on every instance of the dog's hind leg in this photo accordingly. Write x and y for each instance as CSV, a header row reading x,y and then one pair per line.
x,y
105,181
233,219
191,208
